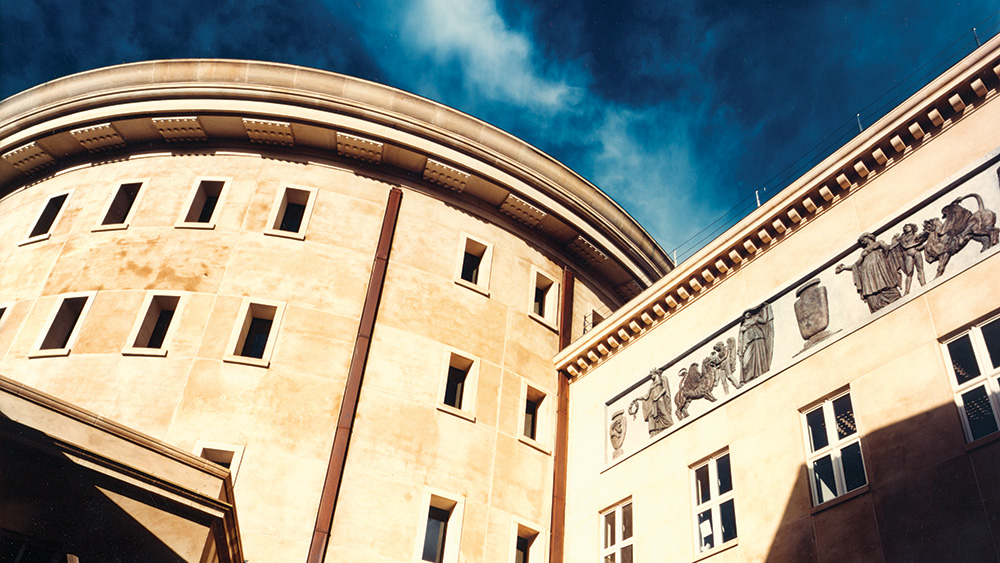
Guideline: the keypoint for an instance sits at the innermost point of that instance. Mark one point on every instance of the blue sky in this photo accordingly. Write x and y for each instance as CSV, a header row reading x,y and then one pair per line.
x,y
678,110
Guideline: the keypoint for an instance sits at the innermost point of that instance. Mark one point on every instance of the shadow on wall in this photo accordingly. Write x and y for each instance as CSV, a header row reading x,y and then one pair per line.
x,y
51,506
929,497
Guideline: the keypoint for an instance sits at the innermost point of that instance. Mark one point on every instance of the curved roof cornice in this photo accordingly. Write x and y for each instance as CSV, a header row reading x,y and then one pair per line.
x,y
179,102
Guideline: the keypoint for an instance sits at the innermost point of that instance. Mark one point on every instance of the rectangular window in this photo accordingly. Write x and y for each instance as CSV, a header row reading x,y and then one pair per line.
x,y
63,326
290,213
544,298
617,531
714,506
149,335
442,529
252,341
458,395
534,418
474,264
42,228
527,545
204,204
122,207
974,366
835,463
531,418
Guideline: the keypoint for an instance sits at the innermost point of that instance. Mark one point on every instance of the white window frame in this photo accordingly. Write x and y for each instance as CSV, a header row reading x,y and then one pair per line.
x,y
278,210
536,540
101,226
713,504
482,283
613,546
237,450
987,378
467,406
550,313
183,223
455,505
55,222
543,416
242,326
130,348
38,351
833,448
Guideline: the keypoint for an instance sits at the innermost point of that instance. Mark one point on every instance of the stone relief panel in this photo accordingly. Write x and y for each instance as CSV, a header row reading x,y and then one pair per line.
x,y
931,241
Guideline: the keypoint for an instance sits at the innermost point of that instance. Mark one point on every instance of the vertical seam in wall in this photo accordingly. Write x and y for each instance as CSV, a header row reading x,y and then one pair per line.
x,y
352,388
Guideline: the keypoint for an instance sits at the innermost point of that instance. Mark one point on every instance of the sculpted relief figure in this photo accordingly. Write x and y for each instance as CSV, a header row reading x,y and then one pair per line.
x,y
721,365
756,342
655,403
875,277
947,238
906,250
617,432
694,385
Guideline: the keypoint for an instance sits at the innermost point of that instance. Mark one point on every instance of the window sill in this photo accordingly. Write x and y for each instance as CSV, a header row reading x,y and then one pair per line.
x,y
202,226
469,285
980,442
862,490
112,227
716,550
34,239
544,322
535,444
258,362
284,234
456,412
136,351
52,353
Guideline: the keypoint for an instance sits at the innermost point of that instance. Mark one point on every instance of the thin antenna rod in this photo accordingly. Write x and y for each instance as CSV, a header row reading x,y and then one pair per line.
x,y
976,35
860,128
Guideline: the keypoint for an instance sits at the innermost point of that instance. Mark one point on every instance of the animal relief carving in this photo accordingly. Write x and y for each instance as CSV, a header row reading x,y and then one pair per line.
x,y
960,226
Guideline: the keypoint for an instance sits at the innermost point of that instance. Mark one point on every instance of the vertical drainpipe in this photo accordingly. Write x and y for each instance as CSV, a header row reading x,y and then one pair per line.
x,y
352,389
558,524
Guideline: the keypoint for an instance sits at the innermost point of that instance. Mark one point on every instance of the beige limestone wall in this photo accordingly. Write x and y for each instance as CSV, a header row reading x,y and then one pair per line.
x,y
894,366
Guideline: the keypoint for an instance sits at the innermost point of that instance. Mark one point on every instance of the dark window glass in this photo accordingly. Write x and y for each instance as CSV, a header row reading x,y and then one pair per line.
x,y
521,555
854,467
470,267
530,418
826,485
454,387
609,530
208,208
843,413
979,412
609,558
963,359
817,429
256,339
725,474
291,221
702,486
627,554
991,334
437,524
627,521
121,204
705,530
64,323
727,513
160,329
539,306
48,216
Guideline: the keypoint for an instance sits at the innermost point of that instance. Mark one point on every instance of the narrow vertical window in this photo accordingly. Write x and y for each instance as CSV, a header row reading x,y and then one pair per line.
x,y
533,408
458,393
290,214
527,547
834,445
437,528
253,338
974,369
530,418
544,298
63,327
714,506
122,205
442,530
454,386
616,546
150,334
474,264
47,218
204,204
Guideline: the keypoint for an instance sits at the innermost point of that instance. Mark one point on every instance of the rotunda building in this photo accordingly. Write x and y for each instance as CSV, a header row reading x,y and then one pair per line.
x,y
258,311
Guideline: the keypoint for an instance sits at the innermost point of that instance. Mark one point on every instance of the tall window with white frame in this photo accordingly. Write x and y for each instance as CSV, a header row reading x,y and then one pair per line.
x,y
835,463
974,367
714,505
617,542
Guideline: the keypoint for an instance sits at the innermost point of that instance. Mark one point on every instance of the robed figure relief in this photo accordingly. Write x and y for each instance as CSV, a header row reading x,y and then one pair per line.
x,y
655,403
906,253
721,365
756,342
875,277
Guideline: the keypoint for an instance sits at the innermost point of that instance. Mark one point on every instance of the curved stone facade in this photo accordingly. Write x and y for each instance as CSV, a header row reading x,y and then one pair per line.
x,y
256,261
